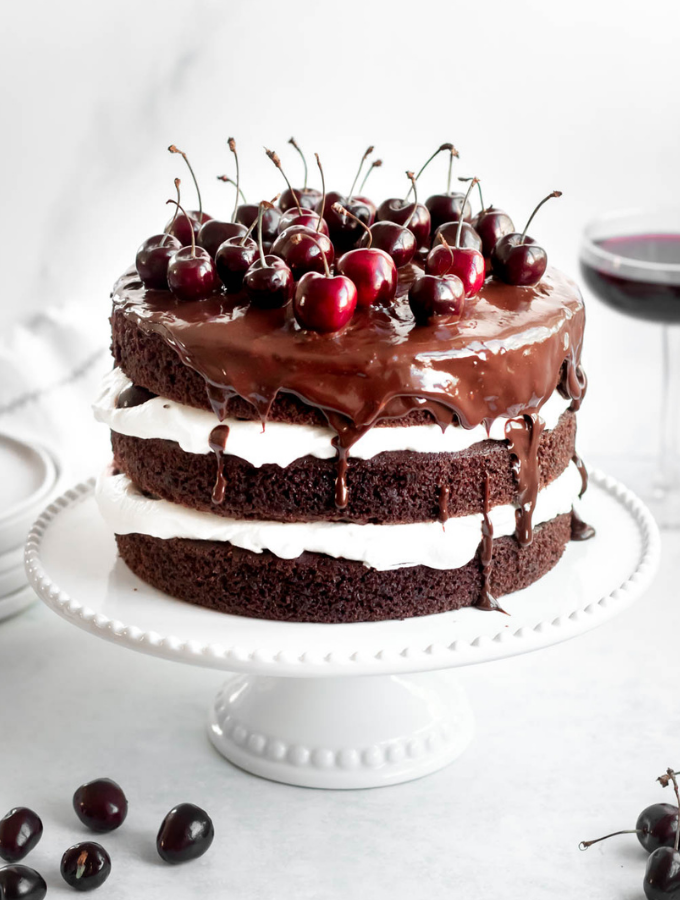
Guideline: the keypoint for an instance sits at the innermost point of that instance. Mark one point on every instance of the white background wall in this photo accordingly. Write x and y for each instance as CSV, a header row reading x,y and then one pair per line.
x,y
579,95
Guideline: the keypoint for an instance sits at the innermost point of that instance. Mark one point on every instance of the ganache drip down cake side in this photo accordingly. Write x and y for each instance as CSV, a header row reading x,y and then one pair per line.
x,y
362,415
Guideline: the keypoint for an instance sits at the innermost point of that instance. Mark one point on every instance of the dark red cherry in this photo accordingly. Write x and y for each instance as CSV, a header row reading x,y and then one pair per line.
x,y
186,223
85,866
303,250
308,198
466,263
373,272
21,883
491,225
366,201
468,235
247,214
20,831
233,259
186,833
101,805
396,240
324,303
436,298
445,208
153,258
191,274
413,216
662,875
213,233
269,285
344,231
517,258
656,826
307,217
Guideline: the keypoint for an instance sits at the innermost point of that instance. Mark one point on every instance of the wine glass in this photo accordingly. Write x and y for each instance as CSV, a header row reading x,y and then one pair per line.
x,y
631,261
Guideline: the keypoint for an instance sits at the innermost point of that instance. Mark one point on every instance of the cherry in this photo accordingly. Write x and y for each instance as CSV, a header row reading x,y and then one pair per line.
x,y
303,250
191,272
468,235
372,270
436,298
269,282
101,805
324,303
490,223
307,217
518,259
396,240
247,215
662,875
182,227
152,260
185,833
307,198
233,259
448,207
213,232
343,230
465,262
413,216
656,827
85,866
20,831
21,883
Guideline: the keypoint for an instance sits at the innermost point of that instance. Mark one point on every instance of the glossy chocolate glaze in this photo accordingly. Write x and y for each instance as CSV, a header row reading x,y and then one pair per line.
x,y
505,356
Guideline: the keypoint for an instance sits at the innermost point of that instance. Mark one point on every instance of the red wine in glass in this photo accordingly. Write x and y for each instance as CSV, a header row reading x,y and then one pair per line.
x,y
631,261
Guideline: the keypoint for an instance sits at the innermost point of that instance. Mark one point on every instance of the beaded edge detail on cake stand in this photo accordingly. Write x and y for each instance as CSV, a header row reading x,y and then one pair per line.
x,y
338,731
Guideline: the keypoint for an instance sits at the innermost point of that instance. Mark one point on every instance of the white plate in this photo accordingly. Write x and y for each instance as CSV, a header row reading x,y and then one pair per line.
x,y
73,565
28,474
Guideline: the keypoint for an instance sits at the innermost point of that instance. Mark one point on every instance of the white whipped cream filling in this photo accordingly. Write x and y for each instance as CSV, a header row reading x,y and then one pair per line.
x,y
448,546
279,442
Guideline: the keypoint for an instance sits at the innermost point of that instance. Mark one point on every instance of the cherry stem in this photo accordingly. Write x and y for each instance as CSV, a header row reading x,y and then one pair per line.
x,y
232,146
174,149
459,230
479,188
228,180
669,778
304,161
339,208
448,247
374,165
413,188
427,162
277,162
249,232
664,780
260,246
544,200
368,152
168,229
193,236
323,194
585,844
453,153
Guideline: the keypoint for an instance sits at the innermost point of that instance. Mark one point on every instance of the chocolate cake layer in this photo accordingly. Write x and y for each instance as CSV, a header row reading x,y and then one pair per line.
x,y
317,588
394,487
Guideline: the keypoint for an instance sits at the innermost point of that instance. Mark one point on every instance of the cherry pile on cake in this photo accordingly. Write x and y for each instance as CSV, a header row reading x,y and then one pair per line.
x,y
324,410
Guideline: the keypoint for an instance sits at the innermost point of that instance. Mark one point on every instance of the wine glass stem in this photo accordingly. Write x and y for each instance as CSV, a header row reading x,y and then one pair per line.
x,y
667,479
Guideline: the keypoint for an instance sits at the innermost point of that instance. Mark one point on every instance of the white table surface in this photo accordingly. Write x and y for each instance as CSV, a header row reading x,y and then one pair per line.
x,y
569,742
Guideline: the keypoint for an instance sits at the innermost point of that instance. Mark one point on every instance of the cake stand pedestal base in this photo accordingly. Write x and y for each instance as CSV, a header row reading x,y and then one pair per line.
x,y
355,732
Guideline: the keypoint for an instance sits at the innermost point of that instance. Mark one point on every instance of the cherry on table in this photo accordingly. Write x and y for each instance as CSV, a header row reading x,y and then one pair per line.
x,y
655,827
662,875
372,271
21,883
185,833
436,298
396,240
20,831
101,805
85,866
517,259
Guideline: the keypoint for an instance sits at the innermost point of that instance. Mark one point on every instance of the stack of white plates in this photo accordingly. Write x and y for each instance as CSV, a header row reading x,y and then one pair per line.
x,y
28,479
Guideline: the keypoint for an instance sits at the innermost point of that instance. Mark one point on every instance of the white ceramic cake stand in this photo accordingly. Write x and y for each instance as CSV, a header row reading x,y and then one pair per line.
x,y
341,706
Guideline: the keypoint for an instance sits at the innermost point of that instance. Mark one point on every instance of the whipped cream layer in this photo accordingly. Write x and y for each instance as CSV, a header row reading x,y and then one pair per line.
x,y
448,546
280,443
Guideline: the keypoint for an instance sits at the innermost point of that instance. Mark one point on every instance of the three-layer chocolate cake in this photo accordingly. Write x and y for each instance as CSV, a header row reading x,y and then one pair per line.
x,y
393,468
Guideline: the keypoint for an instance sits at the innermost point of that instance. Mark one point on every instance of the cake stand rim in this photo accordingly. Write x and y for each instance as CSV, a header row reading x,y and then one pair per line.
x,y
308,663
